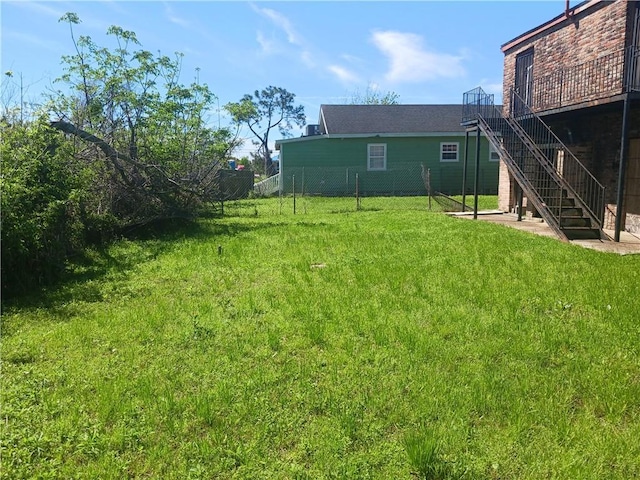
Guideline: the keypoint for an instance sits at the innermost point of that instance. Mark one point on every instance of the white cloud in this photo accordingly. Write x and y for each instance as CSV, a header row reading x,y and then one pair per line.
x,y
307,58
46,10
173,18
343,74
270,45
267,45
493,88
282,22
411,62
41,42
351,58
40,8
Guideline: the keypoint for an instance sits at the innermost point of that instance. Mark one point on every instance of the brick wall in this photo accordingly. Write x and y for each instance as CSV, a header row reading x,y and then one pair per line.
x,y
592,33
594,138
597,32
505,189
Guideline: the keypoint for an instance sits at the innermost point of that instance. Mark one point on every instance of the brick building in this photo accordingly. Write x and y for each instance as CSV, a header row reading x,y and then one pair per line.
x,y
571,119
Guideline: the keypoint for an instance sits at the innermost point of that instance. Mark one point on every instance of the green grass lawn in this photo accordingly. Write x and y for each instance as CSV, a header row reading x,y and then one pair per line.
x,y
390,342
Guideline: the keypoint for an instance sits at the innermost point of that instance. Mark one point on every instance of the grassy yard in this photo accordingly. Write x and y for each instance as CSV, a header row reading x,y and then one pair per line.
x,y
386,343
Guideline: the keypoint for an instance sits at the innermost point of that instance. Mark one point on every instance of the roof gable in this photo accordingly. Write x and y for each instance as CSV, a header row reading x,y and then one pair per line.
x,y
385,119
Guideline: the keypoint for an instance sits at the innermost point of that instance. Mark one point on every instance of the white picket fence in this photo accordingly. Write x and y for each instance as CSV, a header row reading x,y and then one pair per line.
x,y
268,186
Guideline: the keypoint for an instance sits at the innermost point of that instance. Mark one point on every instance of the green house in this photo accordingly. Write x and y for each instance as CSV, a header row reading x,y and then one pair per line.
x,y
386,150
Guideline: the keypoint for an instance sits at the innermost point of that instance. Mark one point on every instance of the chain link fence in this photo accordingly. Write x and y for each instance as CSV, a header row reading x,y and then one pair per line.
x,y
410,186
408,179
315,205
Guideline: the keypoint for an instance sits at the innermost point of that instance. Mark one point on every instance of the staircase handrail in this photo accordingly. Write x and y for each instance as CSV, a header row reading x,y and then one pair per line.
x,y
595,193
537,147
521,177
479,109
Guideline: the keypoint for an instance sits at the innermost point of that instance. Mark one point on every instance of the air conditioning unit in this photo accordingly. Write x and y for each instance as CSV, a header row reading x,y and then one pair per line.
x,y
312,130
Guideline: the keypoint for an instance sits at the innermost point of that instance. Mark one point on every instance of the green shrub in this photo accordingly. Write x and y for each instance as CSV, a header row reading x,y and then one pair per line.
x,y
41,195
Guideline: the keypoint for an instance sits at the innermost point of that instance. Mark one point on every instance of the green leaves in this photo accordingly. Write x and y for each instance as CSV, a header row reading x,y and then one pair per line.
x,y
151,129
244,111
70,17
372,96
136,147
265,110
40,205
119,32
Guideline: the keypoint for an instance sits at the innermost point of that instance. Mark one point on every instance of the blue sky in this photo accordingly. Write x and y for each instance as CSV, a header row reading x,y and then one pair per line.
x,y
323,52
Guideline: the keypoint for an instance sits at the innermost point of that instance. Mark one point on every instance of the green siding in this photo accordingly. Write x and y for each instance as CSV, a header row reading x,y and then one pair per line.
x,y
328,166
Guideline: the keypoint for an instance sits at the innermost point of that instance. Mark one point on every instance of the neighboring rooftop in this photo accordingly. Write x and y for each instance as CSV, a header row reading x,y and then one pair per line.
x,y
385,119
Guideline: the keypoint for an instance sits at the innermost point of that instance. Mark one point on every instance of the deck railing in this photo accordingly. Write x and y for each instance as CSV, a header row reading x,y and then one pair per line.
x,y
268,186
477,103
606,76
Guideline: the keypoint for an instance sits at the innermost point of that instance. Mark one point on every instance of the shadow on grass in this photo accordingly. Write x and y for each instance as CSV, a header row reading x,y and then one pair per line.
x,y
84,277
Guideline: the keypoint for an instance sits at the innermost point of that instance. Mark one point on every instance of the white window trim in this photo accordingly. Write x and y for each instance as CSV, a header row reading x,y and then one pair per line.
x,y
369,158
445,160
493,150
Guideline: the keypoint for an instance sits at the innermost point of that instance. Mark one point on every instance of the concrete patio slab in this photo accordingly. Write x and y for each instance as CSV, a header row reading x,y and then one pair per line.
x,y
629,243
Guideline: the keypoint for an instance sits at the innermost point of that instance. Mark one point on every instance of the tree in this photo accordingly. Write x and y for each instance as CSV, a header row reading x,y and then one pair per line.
x,y
374,97
263,111
145,133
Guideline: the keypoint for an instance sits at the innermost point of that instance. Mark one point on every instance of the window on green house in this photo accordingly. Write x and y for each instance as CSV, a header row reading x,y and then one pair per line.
x,y
449,152
377,156
494,156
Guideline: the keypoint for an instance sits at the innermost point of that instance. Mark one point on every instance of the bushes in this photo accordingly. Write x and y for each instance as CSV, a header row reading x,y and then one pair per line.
x,y
42,188
124,144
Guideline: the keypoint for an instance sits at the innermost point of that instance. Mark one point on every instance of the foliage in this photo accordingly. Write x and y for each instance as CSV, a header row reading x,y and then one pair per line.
x,y
372,96
132,145
264,111
42,197
386,343
148,130
244,161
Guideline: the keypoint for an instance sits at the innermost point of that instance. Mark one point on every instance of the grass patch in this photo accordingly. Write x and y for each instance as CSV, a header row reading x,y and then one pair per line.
x,y
391,342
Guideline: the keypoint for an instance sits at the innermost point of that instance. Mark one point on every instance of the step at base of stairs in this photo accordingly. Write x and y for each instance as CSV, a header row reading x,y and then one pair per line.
x,y
584,233
575,222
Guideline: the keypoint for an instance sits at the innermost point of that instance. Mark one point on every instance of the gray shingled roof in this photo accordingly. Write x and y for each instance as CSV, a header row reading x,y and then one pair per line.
x,y
381,119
